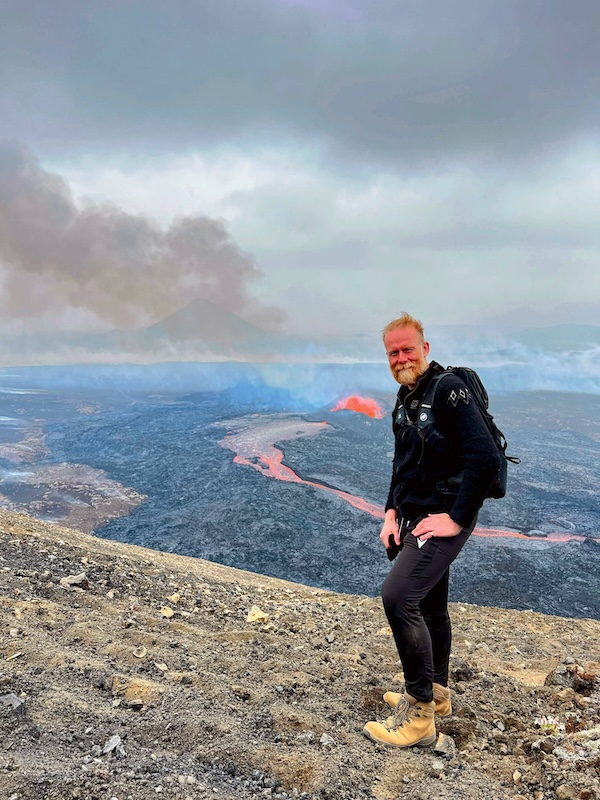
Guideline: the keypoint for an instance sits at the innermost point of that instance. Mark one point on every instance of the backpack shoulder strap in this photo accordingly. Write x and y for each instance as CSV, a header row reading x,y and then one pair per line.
x,y
398,414
425,415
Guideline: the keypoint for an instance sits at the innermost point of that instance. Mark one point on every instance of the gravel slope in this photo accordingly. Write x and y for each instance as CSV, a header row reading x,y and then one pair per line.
x,y
145,675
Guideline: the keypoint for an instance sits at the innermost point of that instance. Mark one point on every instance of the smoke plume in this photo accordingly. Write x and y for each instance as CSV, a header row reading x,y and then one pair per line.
x,y
62,259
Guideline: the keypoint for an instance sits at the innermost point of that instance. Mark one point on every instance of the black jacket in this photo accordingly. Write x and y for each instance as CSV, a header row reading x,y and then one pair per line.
x,y
421,470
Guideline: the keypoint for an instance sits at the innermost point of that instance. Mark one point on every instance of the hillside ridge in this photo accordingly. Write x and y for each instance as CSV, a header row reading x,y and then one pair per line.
x,y
129,673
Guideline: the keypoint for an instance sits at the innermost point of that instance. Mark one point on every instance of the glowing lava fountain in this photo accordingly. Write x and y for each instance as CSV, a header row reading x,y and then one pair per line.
x,y
362,405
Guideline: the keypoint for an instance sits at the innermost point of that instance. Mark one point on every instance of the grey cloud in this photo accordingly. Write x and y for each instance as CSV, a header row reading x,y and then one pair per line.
x,y
352,255
407,82
489,234
122,268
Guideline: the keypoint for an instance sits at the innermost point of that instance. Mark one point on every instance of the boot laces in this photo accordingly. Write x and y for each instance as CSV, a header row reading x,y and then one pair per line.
x,y
403,712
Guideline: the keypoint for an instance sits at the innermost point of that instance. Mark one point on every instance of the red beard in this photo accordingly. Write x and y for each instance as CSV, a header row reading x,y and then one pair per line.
x,y
409,374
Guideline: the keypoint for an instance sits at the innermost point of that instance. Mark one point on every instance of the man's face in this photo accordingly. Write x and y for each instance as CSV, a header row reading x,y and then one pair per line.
x,y
407,354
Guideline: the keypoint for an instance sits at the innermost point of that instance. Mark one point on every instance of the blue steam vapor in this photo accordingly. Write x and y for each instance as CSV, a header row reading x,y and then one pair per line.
x,y
513,367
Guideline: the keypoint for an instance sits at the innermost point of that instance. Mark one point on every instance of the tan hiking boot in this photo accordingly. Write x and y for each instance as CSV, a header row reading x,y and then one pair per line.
x,y
412,723
441,698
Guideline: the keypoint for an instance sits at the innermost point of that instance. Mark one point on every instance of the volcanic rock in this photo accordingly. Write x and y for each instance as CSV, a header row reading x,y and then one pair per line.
x,y
212,704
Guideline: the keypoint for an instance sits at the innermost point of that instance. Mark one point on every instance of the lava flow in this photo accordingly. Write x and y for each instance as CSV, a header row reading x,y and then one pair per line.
x,y
253,442
362,405
553,538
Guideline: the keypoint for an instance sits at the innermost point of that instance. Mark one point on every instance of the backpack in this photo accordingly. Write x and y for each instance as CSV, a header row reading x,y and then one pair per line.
x,y
426,426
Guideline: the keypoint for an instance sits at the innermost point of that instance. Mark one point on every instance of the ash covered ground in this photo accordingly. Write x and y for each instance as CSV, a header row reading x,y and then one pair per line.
x,y
155,471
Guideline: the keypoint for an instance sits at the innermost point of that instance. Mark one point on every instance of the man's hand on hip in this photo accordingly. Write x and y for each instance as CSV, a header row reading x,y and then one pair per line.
x,y
439,525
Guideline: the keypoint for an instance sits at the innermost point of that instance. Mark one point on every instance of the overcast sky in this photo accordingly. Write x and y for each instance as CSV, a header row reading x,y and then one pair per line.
x,y
338,160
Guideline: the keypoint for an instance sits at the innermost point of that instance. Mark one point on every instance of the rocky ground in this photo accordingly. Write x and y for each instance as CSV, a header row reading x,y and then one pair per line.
x,y
126,673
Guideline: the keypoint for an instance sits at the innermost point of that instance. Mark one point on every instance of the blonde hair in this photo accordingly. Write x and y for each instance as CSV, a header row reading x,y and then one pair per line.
x,y
404,321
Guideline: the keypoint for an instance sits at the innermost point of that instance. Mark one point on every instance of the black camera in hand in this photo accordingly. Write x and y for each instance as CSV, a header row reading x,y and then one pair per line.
x,y
392,549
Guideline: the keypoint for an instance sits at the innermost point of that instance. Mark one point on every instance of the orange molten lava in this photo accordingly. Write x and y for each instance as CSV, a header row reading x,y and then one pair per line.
x,y
551,538
267,459
363,405
273,467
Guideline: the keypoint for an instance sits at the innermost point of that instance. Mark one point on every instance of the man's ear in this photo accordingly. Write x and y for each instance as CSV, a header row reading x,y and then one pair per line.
x,y
426,348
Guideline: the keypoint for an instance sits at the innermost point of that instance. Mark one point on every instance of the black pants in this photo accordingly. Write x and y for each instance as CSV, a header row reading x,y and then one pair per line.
x,y
415,599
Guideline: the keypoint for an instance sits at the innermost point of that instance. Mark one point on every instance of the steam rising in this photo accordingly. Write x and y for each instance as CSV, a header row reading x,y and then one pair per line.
x,y
117,268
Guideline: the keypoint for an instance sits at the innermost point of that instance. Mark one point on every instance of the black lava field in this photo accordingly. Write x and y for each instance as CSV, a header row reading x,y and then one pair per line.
x,y
221,485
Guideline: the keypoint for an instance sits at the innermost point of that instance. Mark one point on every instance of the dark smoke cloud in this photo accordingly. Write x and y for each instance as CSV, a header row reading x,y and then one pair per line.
x,y
124,269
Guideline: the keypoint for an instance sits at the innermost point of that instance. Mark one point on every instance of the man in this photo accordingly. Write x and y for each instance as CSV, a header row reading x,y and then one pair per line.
x,y
429,517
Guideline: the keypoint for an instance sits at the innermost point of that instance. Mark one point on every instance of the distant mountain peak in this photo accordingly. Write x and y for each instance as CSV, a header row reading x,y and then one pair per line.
x,y
201,319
